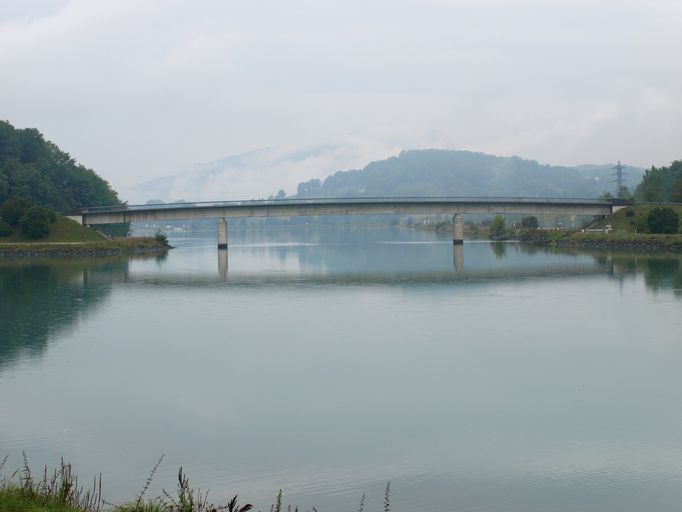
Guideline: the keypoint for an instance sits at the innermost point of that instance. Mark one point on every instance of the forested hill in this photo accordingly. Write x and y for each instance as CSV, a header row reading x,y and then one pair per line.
x,y
37,170
661,184
435,172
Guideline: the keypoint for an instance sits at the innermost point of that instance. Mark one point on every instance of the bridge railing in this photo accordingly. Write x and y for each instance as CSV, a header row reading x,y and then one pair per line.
x,y
346,200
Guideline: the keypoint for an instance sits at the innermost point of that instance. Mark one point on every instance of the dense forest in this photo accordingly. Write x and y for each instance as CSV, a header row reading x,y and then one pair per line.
x,y
37,170
436,172
662,184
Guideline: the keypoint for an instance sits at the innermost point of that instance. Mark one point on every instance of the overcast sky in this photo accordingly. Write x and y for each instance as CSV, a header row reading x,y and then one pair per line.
x,y
138,89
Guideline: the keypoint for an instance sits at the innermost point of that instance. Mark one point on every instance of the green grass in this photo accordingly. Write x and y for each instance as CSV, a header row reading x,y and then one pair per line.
x,y
629,220
20,500
62,230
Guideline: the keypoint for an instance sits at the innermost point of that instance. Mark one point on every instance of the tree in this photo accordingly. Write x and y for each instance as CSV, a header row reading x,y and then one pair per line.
x,y
35,223
5,229
281,194
530,222
663,220
497,226
13,209
624,193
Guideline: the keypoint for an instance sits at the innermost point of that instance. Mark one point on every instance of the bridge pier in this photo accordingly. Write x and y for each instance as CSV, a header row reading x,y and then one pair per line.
x,y
457,229
222,234
458,258
222,265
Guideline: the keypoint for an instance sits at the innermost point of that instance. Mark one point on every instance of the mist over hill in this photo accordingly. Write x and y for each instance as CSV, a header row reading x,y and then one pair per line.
x,y
259,173
436,172
308,172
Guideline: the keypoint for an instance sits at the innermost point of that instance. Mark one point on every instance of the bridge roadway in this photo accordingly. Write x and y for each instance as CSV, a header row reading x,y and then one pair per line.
x,y
454,206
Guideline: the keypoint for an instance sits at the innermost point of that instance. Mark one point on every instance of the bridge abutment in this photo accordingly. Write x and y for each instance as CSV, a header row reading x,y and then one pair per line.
x,y
222,234
457,229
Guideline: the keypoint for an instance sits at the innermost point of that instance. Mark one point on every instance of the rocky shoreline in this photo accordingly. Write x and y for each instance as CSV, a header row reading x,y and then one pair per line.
x,y
627,242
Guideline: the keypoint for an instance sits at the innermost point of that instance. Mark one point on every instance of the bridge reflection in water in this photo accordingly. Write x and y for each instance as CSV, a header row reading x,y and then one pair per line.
x,y
458,271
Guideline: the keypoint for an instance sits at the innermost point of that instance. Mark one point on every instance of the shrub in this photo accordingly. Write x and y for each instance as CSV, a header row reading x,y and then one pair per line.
x,y
35,223
530,222
5,228
497,226
663,220
13,209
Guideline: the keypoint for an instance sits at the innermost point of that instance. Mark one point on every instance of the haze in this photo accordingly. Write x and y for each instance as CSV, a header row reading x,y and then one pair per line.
x,y
142,89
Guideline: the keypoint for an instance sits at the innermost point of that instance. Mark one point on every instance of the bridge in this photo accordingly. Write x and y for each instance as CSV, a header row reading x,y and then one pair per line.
x,y
222,210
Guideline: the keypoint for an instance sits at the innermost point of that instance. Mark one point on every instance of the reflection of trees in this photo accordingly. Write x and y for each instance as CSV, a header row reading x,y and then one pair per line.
x,y
660,272
499,249
40,298
663,274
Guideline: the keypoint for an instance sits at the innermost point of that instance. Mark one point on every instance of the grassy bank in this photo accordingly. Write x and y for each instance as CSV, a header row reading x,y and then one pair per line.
x,y
101,247
61,231
634,219
68,238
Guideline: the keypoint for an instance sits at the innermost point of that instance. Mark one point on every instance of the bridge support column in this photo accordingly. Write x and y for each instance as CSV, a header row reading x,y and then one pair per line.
x,y
458,258
222,234
222,265
457,229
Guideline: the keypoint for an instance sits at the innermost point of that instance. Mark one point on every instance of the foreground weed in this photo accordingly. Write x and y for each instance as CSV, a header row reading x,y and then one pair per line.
x,y
387,497
60,488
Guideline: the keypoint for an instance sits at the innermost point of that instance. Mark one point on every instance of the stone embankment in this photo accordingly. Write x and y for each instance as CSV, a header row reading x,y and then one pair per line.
x,y
624,242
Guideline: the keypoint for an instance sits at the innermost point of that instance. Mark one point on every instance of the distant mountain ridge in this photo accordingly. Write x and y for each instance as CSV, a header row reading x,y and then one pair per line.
x,y
439,172
418,172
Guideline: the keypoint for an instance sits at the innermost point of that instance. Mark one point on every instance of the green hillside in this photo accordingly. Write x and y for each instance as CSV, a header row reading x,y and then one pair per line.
x,y
37,170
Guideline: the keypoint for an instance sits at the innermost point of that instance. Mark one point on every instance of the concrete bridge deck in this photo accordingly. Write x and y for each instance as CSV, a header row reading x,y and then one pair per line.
x,y
455,206
347,206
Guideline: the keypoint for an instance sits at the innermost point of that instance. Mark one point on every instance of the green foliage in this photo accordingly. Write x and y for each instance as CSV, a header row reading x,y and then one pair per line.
x,y
530,222
35,223
13,209
5,228
440,173
39,171
624,193
663,184
497,226
663,220
160,237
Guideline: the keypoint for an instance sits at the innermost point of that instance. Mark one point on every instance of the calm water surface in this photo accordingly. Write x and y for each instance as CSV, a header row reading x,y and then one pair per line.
x,y
329,362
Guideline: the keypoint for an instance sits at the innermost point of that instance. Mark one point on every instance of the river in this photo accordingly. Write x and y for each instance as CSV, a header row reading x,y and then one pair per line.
x,y
327,363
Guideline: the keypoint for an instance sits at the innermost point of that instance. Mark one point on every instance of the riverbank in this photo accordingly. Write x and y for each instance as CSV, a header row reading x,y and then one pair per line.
x,y
103,247
625,242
